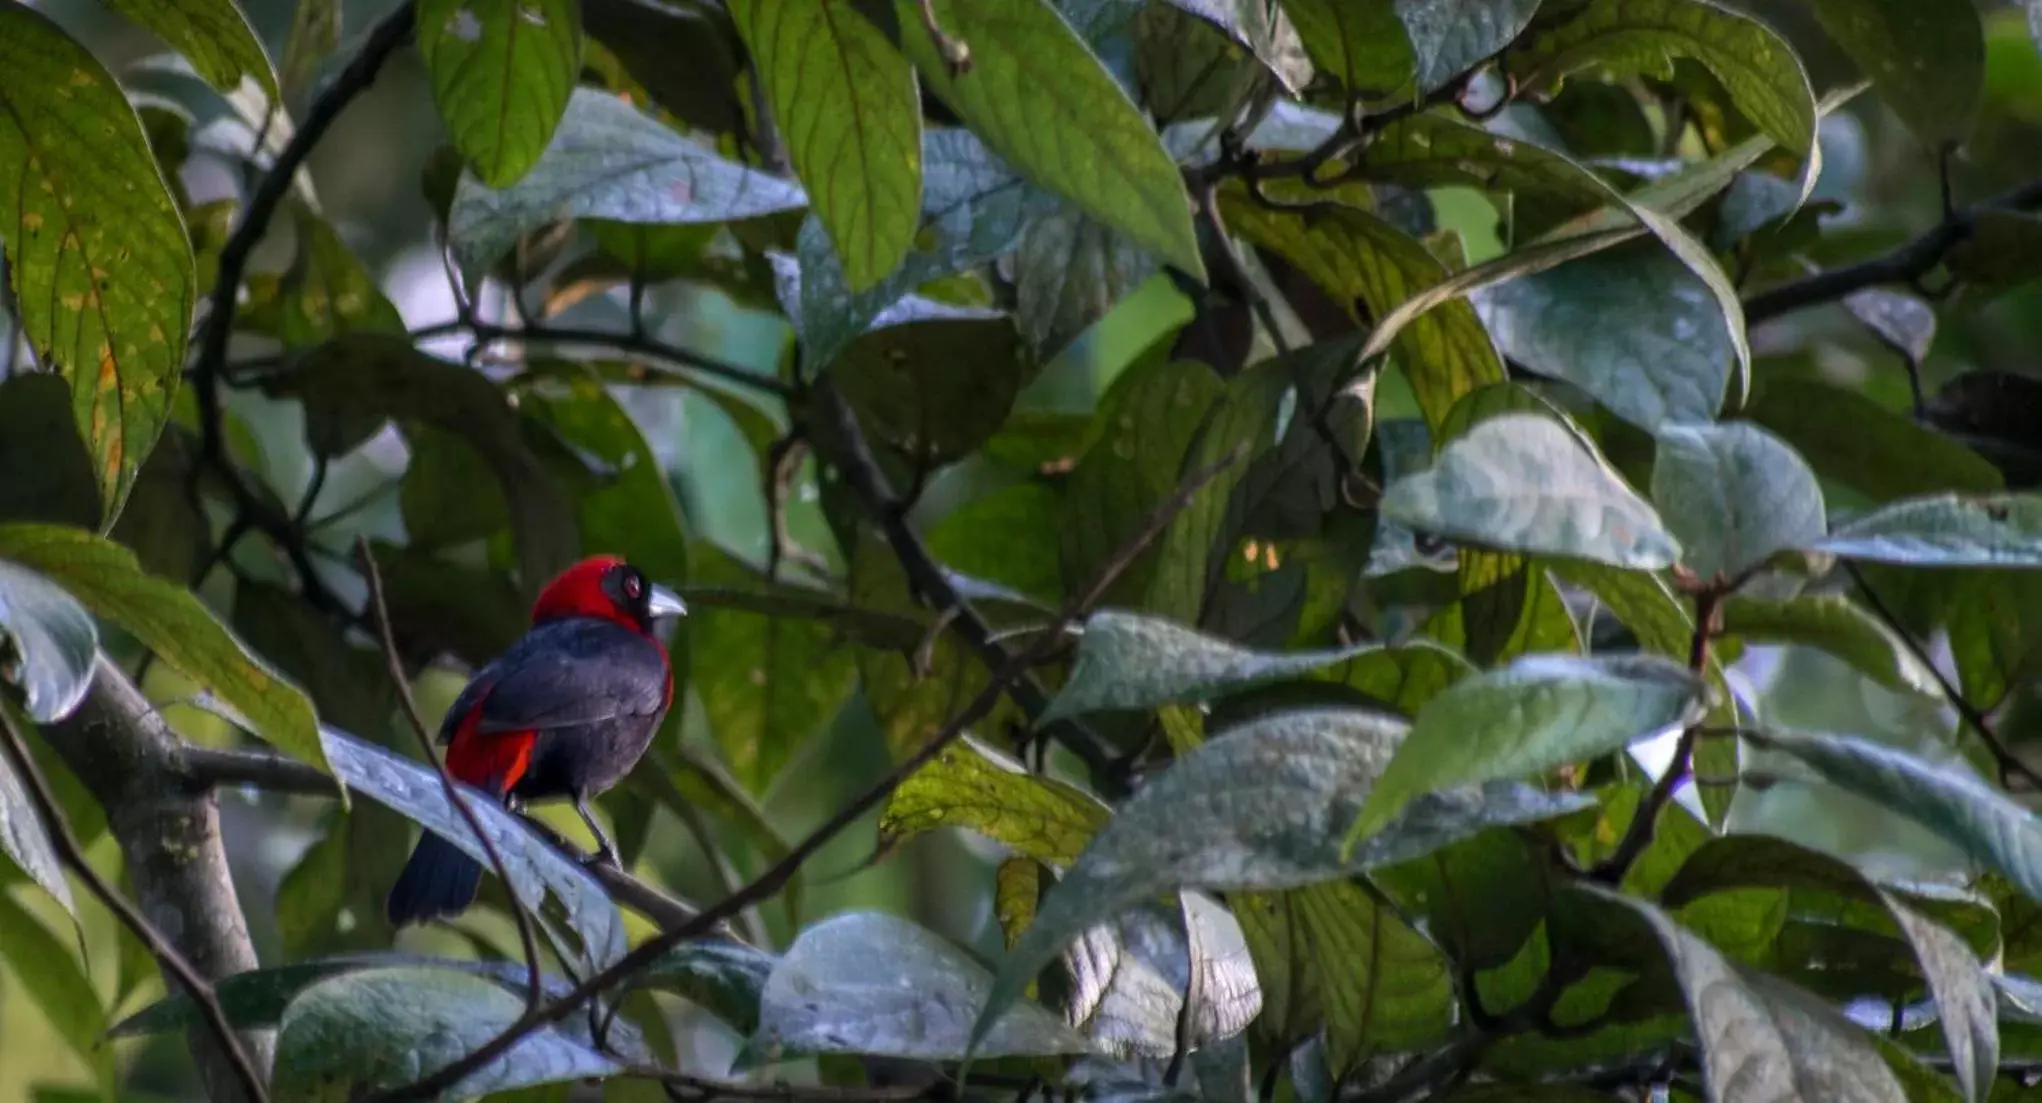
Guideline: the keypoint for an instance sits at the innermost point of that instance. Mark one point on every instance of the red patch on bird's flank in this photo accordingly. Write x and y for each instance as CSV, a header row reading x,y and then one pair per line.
x,y
493,761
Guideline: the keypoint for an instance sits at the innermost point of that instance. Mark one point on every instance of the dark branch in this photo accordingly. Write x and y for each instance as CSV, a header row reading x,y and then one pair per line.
x,y
535,981
173,963
769,883
540,333
1903,264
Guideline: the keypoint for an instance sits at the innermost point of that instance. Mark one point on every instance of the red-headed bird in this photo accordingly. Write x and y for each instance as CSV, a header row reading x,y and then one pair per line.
x,y
566,712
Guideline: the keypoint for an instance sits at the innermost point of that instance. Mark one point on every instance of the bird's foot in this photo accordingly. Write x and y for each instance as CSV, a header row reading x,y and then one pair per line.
x,y
604,856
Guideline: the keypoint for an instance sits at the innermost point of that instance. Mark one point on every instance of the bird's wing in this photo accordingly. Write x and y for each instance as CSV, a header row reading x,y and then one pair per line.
x,y
573,674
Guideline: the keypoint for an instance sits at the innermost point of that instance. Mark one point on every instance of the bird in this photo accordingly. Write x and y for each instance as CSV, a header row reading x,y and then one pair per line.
x,y
566,711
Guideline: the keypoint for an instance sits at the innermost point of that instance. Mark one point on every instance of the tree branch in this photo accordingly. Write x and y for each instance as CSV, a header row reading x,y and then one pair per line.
x,y
204,769
169,836
1906,262
770,882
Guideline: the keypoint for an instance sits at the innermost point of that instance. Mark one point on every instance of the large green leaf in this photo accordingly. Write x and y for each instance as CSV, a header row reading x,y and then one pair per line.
x,y
1070,270
1965,1003
722,977
609,160
1260,806
43,969
1848,438
845,101
1927,61
1833,623
1632,326
213,35
327,291
934,389
1361,43
1157,977
375,1029
974,787
100,263
1359,258
1734,495
173,623
1043,103
1760,1037
1954,804
876,985
1522,482
52,641
1945,531
23,837
1756,66
501,74
1538,713
1451,37
1129,661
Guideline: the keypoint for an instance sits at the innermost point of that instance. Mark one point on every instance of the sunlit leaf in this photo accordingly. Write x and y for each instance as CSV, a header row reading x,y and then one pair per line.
x,y
42,968
974,787
846,101
501,74
1087,142
97,254
213,35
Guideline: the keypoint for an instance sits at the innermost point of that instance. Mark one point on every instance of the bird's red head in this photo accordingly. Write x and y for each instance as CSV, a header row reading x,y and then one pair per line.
x,y
607,587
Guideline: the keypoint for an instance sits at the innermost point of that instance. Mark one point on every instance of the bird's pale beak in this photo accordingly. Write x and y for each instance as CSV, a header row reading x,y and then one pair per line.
x,y
663,602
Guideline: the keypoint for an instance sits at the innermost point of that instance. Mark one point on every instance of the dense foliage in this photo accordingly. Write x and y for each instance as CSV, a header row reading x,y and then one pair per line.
x,y
1279,549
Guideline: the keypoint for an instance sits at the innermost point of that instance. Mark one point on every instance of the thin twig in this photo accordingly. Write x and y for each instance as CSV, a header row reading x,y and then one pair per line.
x,y
539,333
535,981
197,987
2009,763
775,878
1909,261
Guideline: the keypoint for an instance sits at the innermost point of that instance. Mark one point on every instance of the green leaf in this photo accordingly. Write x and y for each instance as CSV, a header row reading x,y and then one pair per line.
x,y
1903,322
1926,61
724,978
1259,807
1948,530
1000,538
846,101
1048,107
1833,623
1999,253
50,474
1734,496
974,209
1760,1037
971,786
1757,67
1522,482
213,35
933,390
1536,714
100,263
326,292
380,1028
535,867
1070,270
1850,439
767,682
1956,805
1436,150
1632,326
1145,425
609,160
1357,257
44,970
1361,43
170,621
1965,1002
51,643
1451,37
1129,661
364,378
1264,30
501,74
875,985
1158,973
23,838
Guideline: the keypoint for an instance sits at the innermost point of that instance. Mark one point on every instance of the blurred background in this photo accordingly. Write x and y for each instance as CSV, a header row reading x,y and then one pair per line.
x,y
1879,186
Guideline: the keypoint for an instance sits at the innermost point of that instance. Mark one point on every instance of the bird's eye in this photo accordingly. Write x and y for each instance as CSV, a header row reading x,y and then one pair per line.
x,y
633,588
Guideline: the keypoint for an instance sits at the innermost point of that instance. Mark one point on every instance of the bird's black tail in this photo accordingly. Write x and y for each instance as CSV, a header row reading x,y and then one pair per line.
x,y
439,880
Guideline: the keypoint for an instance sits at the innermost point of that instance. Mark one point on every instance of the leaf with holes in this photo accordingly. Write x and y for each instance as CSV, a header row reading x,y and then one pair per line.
x,y
501,72
96,250
1048,107
846,102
